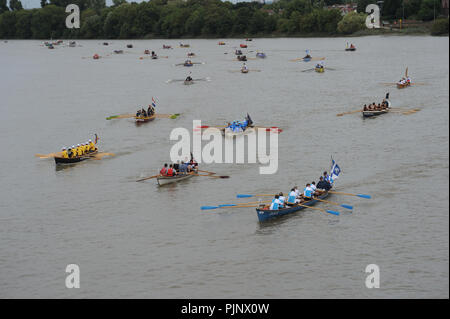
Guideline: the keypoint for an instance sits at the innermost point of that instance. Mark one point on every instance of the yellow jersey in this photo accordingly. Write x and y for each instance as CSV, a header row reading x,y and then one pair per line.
x,y
64,154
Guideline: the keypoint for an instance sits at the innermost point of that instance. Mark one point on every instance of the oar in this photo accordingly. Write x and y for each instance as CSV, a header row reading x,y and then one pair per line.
x,y
216,176
349,194
307,70
350,112
57,154
121,116
227,205
256,195
167,116
321,209
145,178
333,203
99,156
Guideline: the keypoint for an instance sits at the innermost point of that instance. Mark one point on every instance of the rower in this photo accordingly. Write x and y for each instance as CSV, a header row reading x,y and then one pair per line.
x,y
244,67
64,153
276,203
365,107
73,151
326,177
92,147
308,192
163,170
313,186
282,198
79,150
189,78
171,171
292,199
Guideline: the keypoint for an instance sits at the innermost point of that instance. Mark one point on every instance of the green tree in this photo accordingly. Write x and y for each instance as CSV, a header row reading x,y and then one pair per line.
x,y
351,23
43,3
427,10
15,5
440,27
3,6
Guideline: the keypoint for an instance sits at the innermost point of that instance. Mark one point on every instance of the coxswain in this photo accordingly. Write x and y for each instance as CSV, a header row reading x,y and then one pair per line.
x,y
322,184
64,153
163,170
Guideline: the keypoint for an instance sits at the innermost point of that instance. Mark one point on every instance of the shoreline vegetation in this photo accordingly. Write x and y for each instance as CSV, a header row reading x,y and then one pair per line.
x,y
215,19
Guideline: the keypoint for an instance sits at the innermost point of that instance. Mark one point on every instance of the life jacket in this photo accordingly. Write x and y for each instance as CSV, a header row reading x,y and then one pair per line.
x,y
163,171
92,146
170,172
64,154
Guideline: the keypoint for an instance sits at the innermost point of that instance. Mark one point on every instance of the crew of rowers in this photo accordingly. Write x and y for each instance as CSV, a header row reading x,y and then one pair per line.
x,y
142,113
404,81
79,150
295,197
188,63
179,168
373,107
319,65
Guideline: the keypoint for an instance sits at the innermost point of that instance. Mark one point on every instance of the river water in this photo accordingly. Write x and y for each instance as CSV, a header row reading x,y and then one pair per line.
x,y
139,240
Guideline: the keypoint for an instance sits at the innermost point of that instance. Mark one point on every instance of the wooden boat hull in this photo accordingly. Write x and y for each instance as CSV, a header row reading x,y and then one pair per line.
x,y
267,214
402,86
62,160
244,70
229,133
376,113
164,180
146,119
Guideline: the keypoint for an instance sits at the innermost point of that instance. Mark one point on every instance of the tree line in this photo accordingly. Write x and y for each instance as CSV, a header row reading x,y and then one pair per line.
x,y
191,18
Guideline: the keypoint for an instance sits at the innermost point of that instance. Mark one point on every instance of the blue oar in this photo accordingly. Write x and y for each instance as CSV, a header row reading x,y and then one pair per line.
x,y
333,203
209,207
323,210
359,195
247,195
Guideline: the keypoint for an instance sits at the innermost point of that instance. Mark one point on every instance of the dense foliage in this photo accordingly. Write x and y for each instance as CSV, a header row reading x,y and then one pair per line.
x,y
440,27
191,18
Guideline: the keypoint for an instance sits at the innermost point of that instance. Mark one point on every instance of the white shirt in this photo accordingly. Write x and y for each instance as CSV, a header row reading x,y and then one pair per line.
x,y
313,187
297,192
276,201
282,199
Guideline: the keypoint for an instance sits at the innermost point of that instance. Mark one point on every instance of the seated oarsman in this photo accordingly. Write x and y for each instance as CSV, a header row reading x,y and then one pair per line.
x,y
92,147
72,151
189,78
64,153
308,192
163,170
292,198
365,107
282,198
176,166
323,185
171,171
79,150
313,186
138,113
276,203
183,168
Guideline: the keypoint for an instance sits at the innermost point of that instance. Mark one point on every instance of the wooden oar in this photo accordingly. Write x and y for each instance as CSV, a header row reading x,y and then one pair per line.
x,y
230,205
350,194
99,156
255,195
57,154
167,116
205,171
145,178
333,203
350,112
216,176
121,116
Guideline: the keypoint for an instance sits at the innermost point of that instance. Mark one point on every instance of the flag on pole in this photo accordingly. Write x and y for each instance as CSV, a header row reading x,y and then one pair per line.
x,y
335,171
153,102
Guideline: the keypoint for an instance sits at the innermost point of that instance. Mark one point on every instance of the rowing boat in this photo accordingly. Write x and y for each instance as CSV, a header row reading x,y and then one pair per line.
x,y
164,180
319,70
261,55
188,82
228,132
244,70
241,58
403,85
63,160
267,214
144,119
350,49
243,46
376,113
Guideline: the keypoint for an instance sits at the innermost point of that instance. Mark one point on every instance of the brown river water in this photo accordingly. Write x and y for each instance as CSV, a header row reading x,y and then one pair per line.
x,y
140,240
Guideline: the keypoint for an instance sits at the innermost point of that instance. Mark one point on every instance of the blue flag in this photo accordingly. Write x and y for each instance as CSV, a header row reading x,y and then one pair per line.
x,y
335,171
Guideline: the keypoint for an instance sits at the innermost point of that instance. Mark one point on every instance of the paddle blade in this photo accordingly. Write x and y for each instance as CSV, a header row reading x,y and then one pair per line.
x,y
364,196
332,212
347,206
208,207
243,196
112,117
174,116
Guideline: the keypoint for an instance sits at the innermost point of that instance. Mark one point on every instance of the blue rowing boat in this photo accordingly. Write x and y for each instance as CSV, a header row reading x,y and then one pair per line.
x,y
266,214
